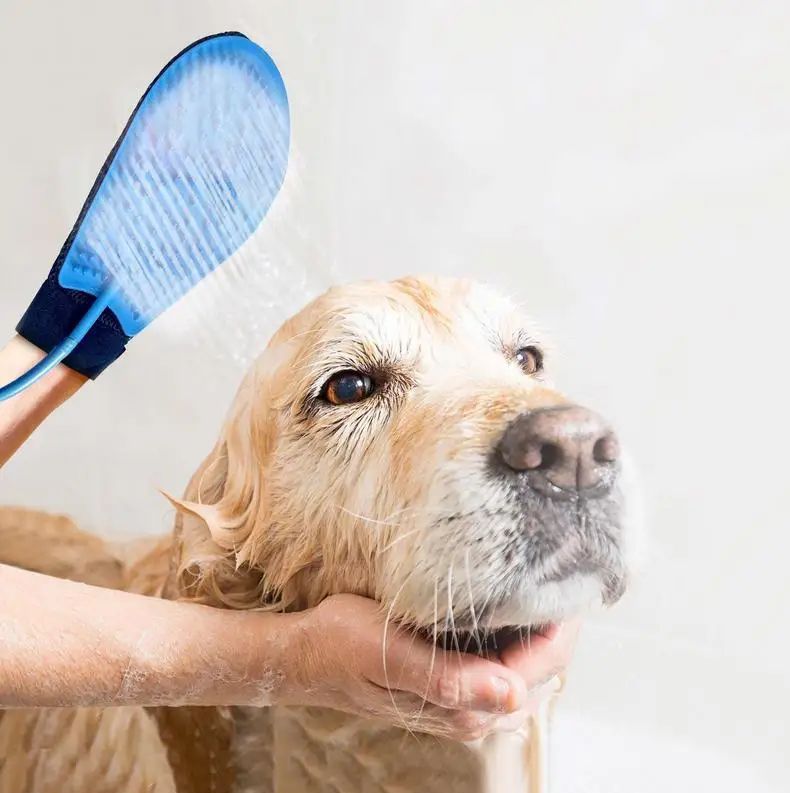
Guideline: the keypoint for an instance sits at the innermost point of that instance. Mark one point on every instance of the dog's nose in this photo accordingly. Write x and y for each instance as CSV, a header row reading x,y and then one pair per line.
x,y
563,449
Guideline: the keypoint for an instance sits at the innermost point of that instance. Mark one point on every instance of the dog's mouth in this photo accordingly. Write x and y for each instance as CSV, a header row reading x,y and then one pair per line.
x,y
491,643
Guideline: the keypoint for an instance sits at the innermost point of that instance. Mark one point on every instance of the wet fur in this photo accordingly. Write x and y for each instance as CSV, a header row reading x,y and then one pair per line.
x,y
398,498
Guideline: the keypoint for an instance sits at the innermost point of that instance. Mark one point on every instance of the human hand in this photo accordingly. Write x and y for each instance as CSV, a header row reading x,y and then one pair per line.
x,y
21,415
340,656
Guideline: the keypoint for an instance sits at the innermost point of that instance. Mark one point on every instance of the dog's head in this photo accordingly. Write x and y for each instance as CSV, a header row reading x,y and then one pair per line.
x,y
404,441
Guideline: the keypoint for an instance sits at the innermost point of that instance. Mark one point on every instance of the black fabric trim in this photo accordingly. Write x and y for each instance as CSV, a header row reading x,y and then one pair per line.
x,y
54,313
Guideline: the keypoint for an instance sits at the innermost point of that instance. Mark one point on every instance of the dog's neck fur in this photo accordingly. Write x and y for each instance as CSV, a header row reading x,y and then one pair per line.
x,y
296,749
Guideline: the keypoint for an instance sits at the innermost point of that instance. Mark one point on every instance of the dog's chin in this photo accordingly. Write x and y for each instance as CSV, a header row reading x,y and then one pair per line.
x,y
556,600
529,618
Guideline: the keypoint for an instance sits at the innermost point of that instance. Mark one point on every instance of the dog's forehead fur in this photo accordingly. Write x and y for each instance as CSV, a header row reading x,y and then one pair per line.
x,y
409,322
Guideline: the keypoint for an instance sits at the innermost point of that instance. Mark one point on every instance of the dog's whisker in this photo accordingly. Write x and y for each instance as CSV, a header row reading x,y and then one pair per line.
x,y
398,539
388,521
475,632
447,618
387,621
413,630
433,650
489,628
367,519
454,644
414,635
483,612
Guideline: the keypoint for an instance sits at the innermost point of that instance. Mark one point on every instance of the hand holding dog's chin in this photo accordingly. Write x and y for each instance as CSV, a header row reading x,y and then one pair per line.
x,y
339,655
544,658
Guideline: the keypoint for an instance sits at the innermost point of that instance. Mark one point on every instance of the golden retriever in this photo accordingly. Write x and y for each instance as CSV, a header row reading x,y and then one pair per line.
x,y
401,441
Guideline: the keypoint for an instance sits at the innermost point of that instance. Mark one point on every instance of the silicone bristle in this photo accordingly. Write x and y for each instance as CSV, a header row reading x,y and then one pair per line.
x,y
199,165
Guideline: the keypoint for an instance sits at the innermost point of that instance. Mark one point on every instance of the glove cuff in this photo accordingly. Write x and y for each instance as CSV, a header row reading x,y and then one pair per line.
x,y
55,312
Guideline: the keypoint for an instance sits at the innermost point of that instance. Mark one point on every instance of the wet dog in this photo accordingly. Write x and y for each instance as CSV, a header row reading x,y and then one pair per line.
x,y
402,441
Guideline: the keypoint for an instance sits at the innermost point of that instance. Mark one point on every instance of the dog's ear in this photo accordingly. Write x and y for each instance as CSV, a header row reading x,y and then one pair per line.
x,y
218,524
240,544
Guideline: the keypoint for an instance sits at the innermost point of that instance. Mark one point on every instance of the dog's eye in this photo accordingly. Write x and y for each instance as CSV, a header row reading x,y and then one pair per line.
x,y
344,388
530,359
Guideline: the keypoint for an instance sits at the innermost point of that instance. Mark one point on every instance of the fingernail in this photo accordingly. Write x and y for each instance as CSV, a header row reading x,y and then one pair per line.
x,y
546,687
501,689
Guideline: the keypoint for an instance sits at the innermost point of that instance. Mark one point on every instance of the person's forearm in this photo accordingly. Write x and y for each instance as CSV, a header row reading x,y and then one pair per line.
x,y
21,414
69,644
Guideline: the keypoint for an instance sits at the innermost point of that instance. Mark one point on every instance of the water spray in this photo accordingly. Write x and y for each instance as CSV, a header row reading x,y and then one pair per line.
x,y
190,179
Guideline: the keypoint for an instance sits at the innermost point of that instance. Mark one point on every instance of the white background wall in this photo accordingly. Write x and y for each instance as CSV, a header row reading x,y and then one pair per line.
x,y
622,166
